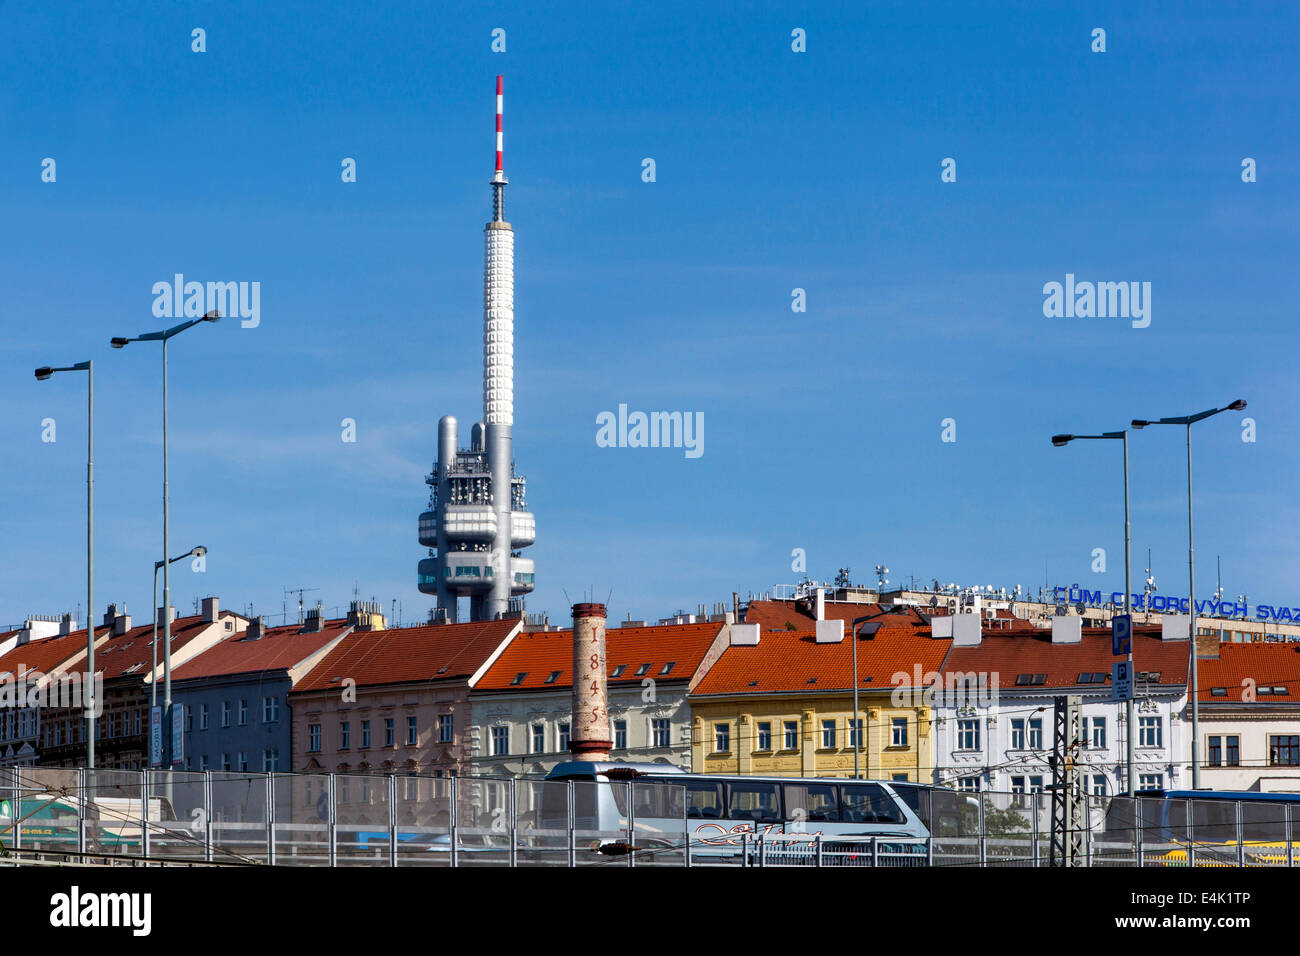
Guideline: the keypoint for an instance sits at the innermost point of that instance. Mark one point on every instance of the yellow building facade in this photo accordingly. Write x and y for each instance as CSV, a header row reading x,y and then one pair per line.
x,y
783,735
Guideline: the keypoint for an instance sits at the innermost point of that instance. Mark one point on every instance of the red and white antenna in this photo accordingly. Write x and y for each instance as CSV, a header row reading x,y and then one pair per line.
x,y
500,134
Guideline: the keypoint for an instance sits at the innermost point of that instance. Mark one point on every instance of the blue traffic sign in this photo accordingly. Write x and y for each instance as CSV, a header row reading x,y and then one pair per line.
x,y
1121,635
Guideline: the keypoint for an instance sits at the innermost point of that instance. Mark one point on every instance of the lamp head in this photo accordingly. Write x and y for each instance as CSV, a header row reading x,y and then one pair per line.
x,y
199,552
118,342
213,316
1238,405
1140,423
1060,441
43,373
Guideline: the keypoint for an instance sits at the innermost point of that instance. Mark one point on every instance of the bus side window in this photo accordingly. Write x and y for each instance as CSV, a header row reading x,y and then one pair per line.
x,y
868,803
704,800
818,802
760,802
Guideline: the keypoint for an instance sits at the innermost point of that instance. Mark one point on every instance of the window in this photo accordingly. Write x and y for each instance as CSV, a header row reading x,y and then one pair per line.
x,y
390,734
620,735
642,670
446,728
968,734
313,736
1031,680
500,741
1151,781
721,738
813,802
270,710
667,668
189,719
1150,732
1233,745
539,738
243,712
553,676
791,734
704,799
757,801
898,732
225,713
660,728
1036,733
365,734
271,760
1099,785
203,716
968,784
203,762
518,678
1094,732
564,737
225,761
868,803
1215,758
618,671
764,735
1284,750
243,760
828,734
345,734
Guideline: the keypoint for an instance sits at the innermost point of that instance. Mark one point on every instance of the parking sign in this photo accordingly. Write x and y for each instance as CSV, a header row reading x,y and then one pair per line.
x,y
1121,635
1121,681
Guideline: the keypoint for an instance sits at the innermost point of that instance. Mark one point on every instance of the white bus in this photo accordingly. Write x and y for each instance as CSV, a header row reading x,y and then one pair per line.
x,y
720,814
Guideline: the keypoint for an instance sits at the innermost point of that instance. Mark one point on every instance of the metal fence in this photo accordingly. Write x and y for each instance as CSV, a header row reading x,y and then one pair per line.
x,y
226,818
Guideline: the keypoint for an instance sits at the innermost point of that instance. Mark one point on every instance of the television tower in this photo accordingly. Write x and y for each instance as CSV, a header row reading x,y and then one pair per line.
x,y
476,521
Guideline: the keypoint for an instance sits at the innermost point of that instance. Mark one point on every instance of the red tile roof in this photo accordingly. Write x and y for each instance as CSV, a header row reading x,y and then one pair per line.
x,y
781,615
538,654
792,661
1034,653
131,654
433,652
1268,664
280,648
44,654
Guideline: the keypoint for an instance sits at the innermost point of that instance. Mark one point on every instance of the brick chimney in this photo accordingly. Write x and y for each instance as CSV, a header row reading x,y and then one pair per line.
x,y
589,736
121,624
314,619
209,609
170,618
366,616
256,629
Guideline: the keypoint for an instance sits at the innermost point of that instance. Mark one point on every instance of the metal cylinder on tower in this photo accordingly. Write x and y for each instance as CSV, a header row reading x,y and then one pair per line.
x,y
589,735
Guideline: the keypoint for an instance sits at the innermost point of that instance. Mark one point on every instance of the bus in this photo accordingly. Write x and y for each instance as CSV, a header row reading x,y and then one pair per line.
x,y
721,814
49,822
1212,827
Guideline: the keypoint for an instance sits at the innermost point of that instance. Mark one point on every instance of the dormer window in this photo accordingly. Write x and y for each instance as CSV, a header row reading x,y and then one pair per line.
x,y
519,678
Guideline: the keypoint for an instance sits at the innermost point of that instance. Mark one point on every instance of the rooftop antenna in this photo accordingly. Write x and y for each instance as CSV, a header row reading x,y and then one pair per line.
x,y
300,592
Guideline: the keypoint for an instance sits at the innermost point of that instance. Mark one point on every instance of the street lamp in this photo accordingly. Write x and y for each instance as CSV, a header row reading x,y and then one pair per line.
x,y
1193,691
42,374
1060,441
164,336
857,723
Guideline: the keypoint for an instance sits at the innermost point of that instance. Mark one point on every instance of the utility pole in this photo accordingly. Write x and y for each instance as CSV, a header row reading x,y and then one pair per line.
x,y
1067,798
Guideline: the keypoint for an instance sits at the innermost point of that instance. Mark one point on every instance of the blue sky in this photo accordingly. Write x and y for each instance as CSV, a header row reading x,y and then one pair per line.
x,y
775,170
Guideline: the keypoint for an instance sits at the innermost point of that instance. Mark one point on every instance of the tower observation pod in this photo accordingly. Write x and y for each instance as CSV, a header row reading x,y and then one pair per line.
x,y
477,520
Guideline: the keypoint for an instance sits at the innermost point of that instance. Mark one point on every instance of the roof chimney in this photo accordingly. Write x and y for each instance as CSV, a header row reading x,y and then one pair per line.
x,y
111,615
819,606
366,616
121,624
1067,630
966,630
66,625
1174,627
830,632
744,635
941,625
209,609
256,629
590,734
170,618
314,619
